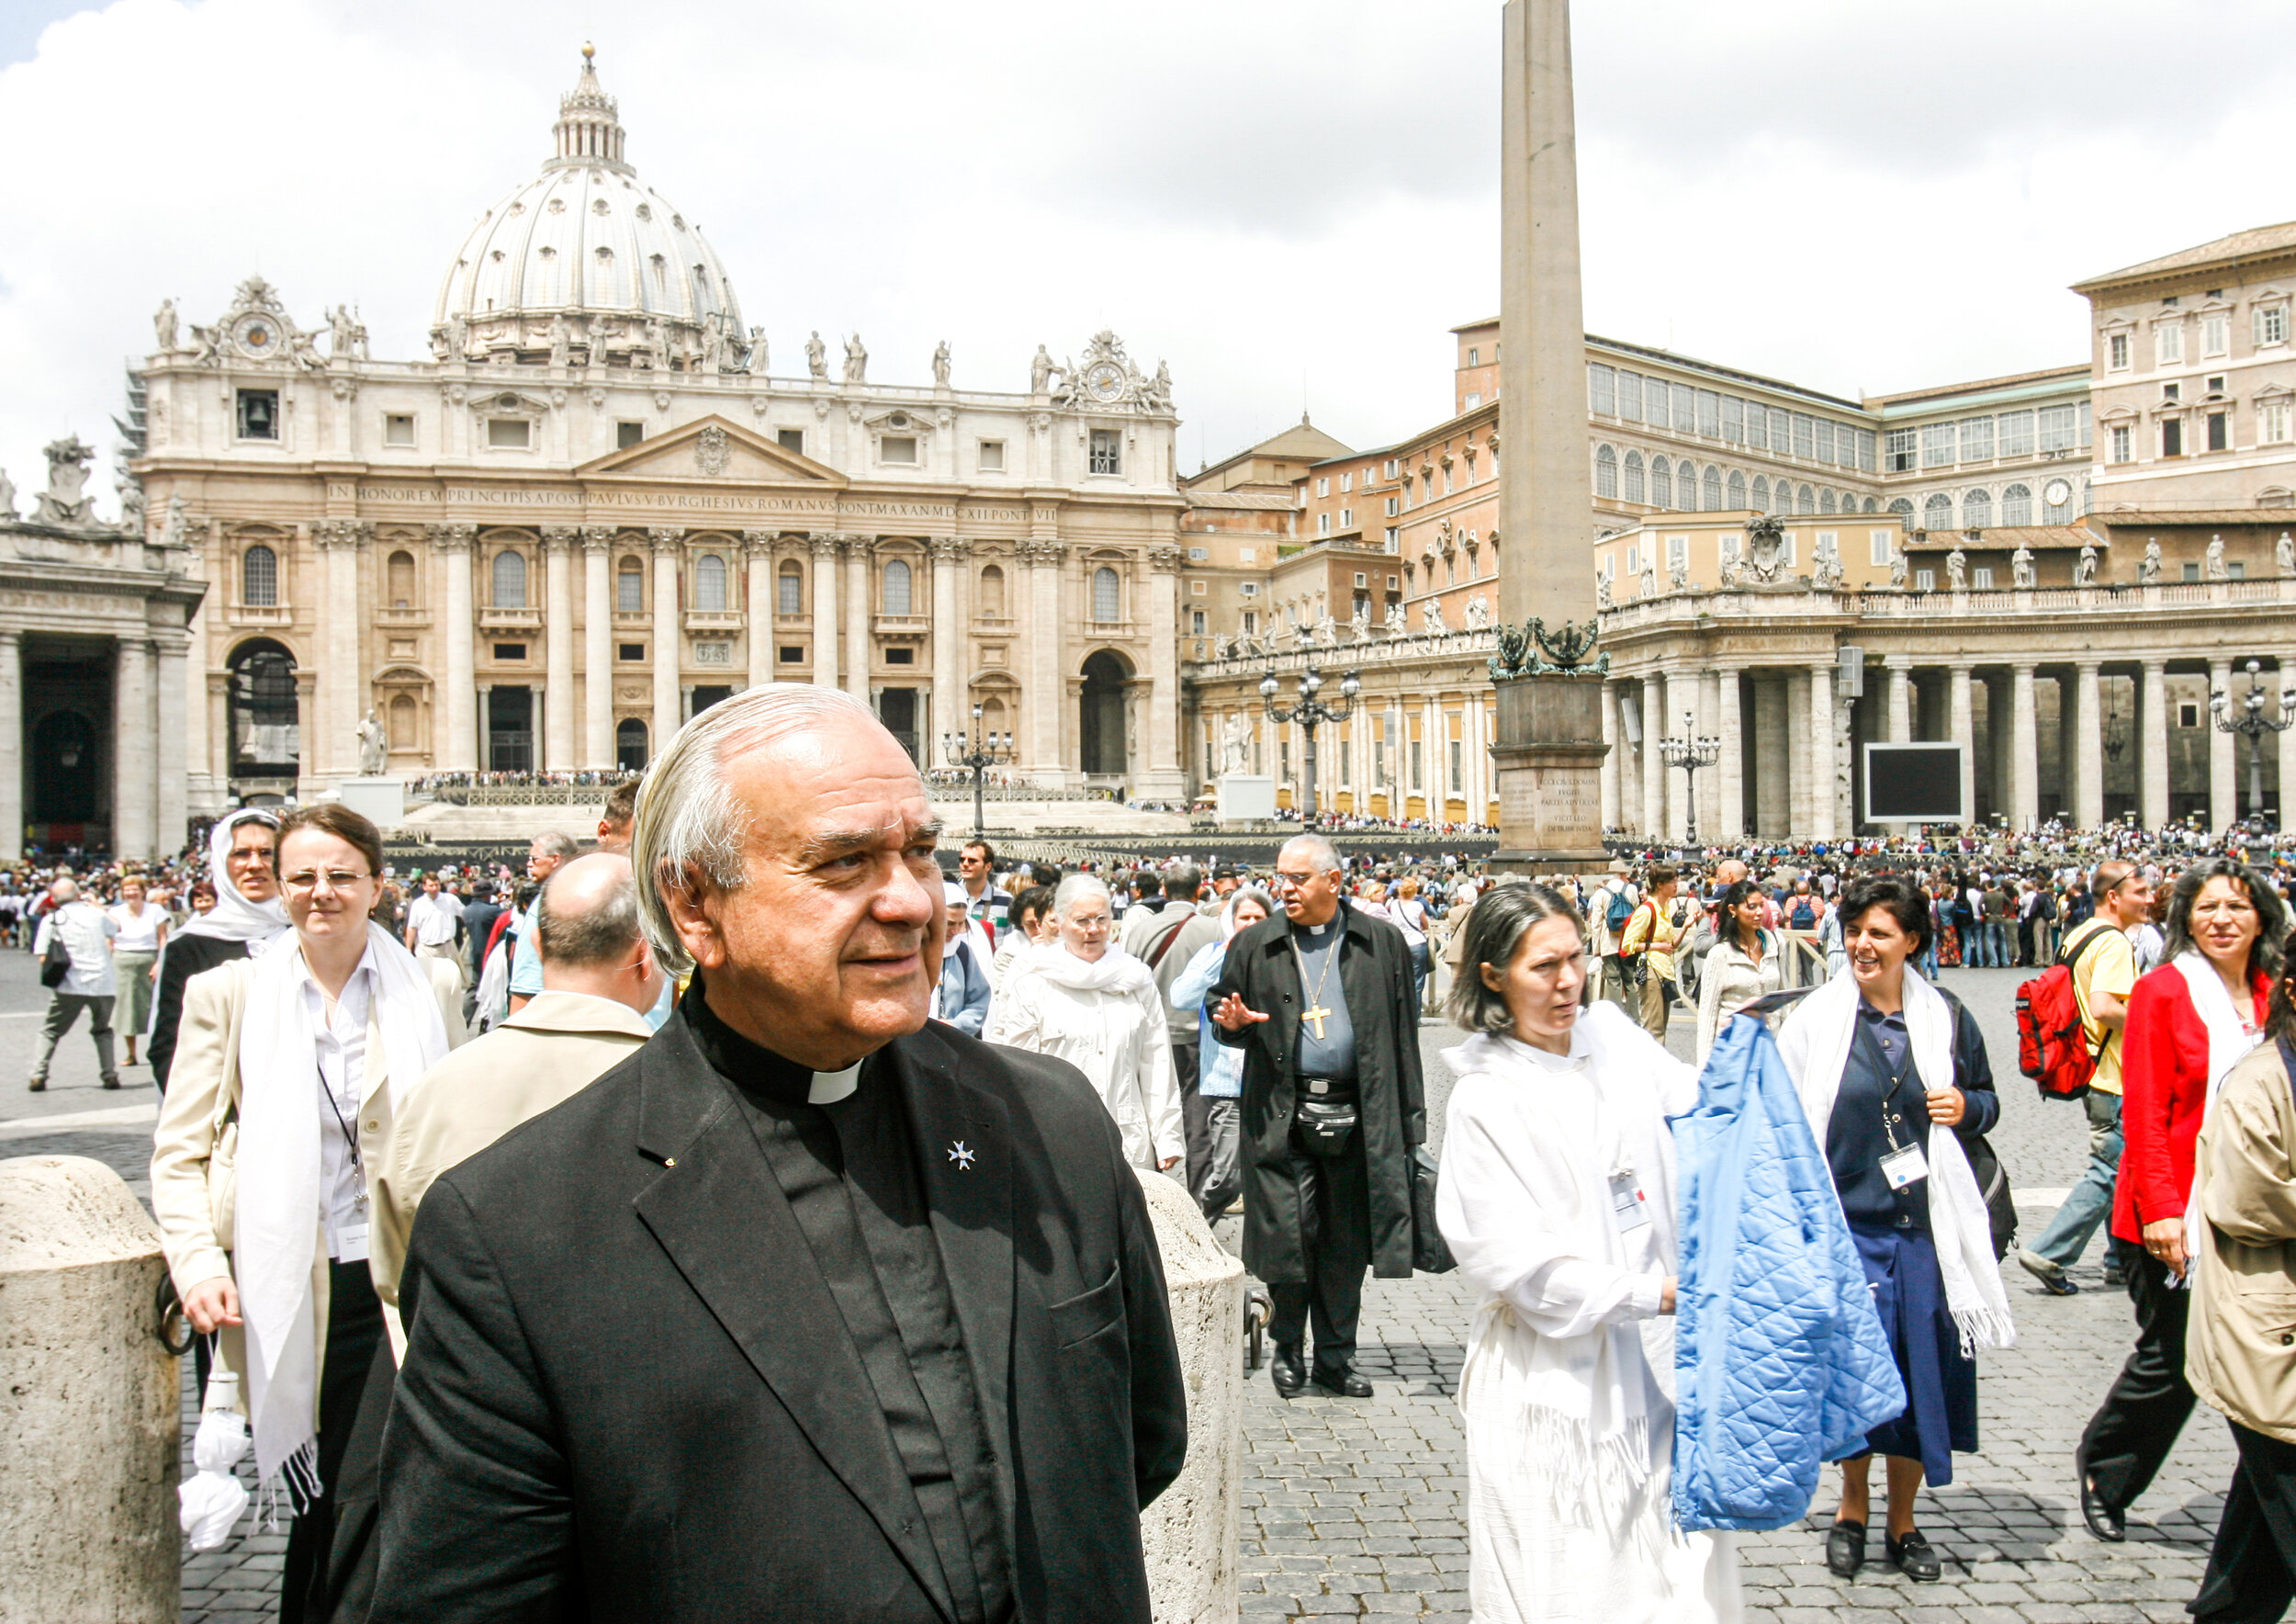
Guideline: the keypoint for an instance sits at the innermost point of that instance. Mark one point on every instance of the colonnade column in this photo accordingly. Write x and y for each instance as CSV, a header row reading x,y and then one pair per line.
x,y
457,698
2089,746
1654,820
131,748
1614,748
1822,763
2151,750
171,812
2024,751
1163,778
198,748
1900,674
859,646
951,713
557,648
756,559
826,549
1678,698
1729,773
598,749
13,741
1960,713
669,542
2223,765
2283,746
1044,693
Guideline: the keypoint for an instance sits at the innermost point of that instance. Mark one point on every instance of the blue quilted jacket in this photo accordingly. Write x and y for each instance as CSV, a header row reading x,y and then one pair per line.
x,y
1780,1360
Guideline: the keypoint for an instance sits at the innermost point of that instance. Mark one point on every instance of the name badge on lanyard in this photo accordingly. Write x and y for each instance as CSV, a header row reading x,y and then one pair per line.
x,y
1904,1167
1628,1205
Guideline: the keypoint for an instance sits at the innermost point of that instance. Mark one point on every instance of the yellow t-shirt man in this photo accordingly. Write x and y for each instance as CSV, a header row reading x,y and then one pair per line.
x,y
2107,964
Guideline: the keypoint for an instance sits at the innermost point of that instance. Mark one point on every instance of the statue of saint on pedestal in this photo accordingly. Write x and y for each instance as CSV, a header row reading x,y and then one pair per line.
x,y
816,357
856,360
940,365
374,748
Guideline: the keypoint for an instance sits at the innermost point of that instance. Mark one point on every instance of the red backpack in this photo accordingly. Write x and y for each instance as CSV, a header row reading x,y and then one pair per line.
x,y
2052,1047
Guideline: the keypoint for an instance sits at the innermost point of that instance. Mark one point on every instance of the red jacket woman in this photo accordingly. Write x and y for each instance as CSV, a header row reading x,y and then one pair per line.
x,y
2164,1083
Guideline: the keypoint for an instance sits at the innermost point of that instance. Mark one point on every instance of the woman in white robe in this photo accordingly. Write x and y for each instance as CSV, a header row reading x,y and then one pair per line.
x,y
1557,1196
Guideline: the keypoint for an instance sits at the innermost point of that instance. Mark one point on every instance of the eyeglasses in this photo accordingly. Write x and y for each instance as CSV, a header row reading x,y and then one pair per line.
x,y
307,882
1285,881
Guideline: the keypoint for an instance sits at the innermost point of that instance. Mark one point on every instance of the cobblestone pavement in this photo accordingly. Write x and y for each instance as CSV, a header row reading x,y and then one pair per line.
x,y
1358,1508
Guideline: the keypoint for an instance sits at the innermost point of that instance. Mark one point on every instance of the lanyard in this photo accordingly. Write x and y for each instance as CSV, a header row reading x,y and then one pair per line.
x,y
358,1163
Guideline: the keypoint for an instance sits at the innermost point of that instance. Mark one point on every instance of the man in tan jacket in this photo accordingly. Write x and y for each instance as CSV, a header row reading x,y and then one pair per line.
x,y
599,978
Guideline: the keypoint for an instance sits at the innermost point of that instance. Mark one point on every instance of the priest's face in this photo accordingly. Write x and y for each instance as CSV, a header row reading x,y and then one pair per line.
x,y
832,946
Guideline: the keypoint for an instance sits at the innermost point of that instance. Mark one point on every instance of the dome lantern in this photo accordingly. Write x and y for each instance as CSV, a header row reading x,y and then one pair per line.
x,y
588,130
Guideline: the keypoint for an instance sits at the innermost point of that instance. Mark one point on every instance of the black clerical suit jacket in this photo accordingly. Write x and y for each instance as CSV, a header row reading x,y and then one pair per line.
x,y
628,1393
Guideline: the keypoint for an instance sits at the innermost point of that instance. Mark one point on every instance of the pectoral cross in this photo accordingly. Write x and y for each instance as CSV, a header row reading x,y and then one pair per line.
x,y
1316,1014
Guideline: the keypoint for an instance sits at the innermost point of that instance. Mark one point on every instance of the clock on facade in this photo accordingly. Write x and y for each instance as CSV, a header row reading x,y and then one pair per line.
x,y
257,335
1105,381
2057,493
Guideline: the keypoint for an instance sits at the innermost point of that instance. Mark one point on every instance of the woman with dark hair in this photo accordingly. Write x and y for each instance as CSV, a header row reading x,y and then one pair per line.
x,y
1944,895
1745,962
2189,1022
2241,1242
1557,1196
1893,1076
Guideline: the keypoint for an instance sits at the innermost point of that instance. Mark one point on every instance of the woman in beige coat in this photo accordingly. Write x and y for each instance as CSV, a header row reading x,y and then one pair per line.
x,y
2240,1349
278,1107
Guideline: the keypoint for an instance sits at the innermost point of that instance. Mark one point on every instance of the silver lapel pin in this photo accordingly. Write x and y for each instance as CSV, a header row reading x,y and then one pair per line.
x,y
961,1157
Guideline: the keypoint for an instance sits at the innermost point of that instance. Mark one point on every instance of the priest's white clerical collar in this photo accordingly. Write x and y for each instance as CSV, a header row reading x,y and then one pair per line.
x,y
1317,933
829,1087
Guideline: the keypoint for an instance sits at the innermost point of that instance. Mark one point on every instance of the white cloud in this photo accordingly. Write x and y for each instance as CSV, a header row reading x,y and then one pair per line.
x,y
1290,201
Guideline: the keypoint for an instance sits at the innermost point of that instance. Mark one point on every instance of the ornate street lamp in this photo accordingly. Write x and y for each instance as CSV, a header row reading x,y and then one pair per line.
x,y
2116,734
1309,712
1690,752
2252,723
978,752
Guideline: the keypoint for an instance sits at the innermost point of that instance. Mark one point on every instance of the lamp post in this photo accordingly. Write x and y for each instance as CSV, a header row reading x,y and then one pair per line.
x,y
978,752
2252,723
1309,712
1690,752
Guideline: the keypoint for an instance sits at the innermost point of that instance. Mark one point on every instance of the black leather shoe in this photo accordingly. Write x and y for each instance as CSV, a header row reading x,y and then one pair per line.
x,y
1344,1383
1287,1370
1913,1557
2103,1521
1845,1548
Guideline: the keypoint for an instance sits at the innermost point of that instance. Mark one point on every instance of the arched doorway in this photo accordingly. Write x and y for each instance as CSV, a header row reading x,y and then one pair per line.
x,y
630,744
266,722
63,769
1100,724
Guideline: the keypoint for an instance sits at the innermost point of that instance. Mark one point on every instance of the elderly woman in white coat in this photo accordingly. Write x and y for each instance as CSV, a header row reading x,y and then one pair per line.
x,y
1557,1196
1081,998
279,1108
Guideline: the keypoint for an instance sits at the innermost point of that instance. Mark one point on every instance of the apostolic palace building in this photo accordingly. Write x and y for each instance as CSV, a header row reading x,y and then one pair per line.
x,y
594,508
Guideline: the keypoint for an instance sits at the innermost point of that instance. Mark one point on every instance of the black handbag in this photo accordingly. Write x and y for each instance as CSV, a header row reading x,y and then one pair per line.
x,y
1325,1126
55,962
1430,1253
2000,1202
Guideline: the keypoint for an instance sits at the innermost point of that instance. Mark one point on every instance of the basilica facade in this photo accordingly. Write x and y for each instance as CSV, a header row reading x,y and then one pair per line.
x,y
594,508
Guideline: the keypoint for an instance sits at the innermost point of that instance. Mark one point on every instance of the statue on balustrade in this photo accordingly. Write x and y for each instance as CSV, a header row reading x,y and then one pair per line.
x,y
856,360
1232,746
816,357
1359,623
1477,613
2148,572
1648,586
2217,571
2085,568
1828,565
1602,593
2021,568
1431,616
940,365
1898,569
1678,575
1957,569
2284,553
1397,623
7,496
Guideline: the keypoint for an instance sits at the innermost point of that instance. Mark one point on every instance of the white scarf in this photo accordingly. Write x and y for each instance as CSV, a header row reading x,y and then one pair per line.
x,y
1113,971
2229,1043
234,917
1815,1046
280,1197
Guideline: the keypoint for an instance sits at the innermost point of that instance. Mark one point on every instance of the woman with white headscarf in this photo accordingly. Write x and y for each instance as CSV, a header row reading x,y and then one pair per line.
x,y
1078,997
287,1076
247,912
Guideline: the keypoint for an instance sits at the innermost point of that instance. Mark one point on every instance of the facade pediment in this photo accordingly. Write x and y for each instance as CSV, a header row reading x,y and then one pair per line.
x,y
711,448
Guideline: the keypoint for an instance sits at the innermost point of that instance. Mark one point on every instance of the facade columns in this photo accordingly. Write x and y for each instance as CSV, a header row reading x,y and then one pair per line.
x,y
131,748
171,810
2089,746
1899,669
2024,752
453,543
669,548
557,648
1162,779
860,594
598,749
199,747
1654,819
757,558
339,679
2223,765
950,713
1822,763
1045,689
1730,783
12,772
1961,714
2283,750
2152,750
826,549
1614,748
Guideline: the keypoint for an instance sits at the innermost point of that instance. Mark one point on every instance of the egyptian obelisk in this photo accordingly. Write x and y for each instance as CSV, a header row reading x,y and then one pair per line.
x,y
1548,753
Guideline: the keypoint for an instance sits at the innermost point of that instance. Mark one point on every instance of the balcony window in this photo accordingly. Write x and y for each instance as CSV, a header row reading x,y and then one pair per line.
x,y
790,588
1106,596
259,578
510,434
896,587
709,584
1108,452
898,450
629,588
510,580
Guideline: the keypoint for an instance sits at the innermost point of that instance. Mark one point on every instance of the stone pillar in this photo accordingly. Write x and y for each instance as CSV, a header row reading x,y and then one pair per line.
x,y
2024,751
557,648
2284,748
171,810
335,753
1961,713
1162,780
757,553
2152,750
1614,751
1655,822
1899,669
2223,765
486,726
13,743
598,749
1729,781
951,713
131,748
89,1416
859,595
1045,689
1189,1535
826,549
453,544
203,791
1549,751
1824,753
2089,746
668,554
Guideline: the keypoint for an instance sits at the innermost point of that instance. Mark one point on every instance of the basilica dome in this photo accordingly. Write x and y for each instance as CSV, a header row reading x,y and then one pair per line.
x,y
584,262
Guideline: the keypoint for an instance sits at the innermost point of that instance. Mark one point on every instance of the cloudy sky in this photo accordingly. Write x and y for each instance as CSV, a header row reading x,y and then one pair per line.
x,y
1290,200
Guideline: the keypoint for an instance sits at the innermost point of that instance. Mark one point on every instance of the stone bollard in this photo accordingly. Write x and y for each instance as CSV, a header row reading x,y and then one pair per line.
x,y
1189,1534
90,1421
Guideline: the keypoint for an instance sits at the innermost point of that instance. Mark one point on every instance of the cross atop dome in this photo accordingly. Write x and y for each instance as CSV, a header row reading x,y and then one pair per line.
x,y
588,130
